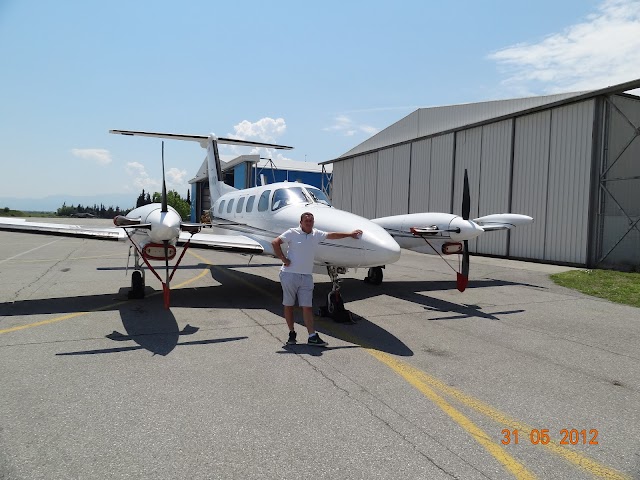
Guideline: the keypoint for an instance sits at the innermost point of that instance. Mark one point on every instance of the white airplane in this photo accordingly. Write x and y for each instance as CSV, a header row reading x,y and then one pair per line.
x,y
246,221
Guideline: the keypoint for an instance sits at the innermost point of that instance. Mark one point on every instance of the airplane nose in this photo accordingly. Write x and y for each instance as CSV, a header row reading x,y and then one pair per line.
x,y
380,248
164,225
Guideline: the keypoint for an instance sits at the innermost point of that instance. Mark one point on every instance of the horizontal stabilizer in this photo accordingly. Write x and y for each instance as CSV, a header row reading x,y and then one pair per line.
x,y
201,139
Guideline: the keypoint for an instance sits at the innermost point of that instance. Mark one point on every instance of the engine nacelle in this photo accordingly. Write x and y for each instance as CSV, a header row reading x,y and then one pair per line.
x,y
155,251
449,248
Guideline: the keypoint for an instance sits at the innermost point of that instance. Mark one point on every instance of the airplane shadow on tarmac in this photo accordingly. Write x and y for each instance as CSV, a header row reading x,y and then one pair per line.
x,y
155,329
145,322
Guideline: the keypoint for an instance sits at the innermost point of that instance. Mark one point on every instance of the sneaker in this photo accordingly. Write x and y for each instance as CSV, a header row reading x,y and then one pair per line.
x,y
316,341
292,338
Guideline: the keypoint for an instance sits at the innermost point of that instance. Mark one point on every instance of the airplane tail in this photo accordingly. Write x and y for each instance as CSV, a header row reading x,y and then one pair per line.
x,y
217,187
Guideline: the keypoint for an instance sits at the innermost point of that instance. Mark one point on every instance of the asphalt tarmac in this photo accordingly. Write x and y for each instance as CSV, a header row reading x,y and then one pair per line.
x,y
514,378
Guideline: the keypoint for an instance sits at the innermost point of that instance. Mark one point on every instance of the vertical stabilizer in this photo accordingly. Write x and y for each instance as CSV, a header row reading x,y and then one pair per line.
x,y
217,187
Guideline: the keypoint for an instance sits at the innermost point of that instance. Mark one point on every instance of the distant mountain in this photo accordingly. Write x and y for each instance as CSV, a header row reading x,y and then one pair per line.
x,y
53,202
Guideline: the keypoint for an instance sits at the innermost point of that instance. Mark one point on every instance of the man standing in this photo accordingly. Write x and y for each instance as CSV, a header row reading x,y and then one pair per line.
x,y
296,272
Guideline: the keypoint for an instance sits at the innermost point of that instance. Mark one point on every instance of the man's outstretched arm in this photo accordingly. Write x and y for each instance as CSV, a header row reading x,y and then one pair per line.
x,y
339,235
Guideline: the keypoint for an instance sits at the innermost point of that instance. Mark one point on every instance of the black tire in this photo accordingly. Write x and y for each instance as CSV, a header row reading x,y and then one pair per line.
x,y
374,276
137,285
334,303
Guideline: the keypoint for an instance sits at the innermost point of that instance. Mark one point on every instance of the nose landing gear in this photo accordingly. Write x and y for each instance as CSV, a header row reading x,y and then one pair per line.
x,y
137,280
335,305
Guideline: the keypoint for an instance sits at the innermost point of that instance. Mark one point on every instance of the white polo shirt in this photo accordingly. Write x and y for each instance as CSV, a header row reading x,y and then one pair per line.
x,y
301,249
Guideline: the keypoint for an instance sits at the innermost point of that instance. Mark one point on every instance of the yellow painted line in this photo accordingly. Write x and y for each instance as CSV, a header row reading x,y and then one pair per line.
x,y
412,375
425,383
571,456
409,374
59,319
40,260
595,468
106,307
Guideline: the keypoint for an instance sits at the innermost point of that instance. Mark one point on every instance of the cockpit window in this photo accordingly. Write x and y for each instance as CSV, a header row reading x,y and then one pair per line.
x,y
318,196
287,196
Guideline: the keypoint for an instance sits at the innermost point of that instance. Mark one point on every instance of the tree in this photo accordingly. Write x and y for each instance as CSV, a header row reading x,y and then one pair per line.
x,y
65,211
177,202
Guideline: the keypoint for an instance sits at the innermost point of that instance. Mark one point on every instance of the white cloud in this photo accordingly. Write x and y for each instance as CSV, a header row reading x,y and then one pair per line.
x,y
177,180
347,127
603,50
141,179
99,155
265,130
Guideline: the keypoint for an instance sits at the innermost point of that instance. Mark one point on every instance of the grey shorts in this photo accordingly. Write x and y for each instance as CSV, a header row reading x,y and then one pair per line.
x,y
296,285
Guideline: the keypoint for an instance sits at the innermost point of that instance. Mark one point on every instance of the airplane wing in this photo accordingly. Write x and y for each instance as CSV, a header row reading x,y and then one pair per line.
x,y
502,221
228,243
100,233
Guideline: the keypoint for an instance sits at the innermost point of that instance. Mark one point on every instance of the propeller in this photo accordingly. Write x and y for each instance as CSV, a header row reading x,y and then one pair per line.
x,y
164,185
463,277
165,288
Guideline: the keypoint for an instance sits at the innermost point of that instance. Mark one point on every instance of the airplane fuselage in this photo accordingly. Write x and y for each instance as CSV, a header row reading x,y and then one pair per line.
x,y
265,212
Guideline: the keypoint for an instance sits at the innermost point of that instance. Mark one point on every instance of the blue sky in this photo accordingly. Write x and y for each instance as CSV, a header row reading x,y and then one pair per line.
x,y
319,76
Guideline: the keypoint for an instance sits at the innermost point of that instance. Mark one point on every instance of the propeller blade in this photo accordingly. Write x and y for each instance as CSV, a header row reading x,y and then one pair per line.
x,y
164,185
192,228
463,277
165,287
122,221
466,198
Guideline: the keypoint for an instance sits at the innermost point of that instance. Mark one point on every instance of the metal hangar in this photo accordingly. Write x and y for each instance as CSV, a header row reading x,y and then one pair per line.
x,y
571,161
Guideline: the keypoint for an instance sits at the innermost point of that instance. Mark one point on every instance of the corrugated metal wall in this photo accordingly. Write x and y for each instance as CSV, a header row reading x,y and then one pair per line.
x,y
495,182
420,176
442,155
401,171
384,182
530,178
358,185
538,164
566,232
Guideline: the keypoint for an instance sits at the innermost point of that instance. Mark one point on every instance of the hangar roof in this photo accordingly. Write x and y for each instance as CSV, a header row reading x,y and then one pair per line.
x,y
426,122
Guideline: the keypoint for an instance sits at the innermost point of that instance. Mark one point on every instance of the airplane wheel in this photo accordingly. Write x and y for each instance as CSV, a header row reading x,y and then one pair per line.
x,y
334,303
374,276
137,285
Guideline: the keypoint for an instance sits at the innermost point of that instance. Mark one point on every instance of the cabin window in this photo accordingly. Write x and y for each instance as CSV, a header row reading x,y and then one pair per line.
x,y
287,196
230,206
221,206
240,205
318,196
263,203
250,201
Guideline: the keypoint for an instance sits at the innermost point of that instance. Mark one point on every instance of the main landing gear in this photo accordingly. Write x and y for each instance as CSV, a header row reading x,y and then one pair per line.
x,y
335,305
374,276
137,279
